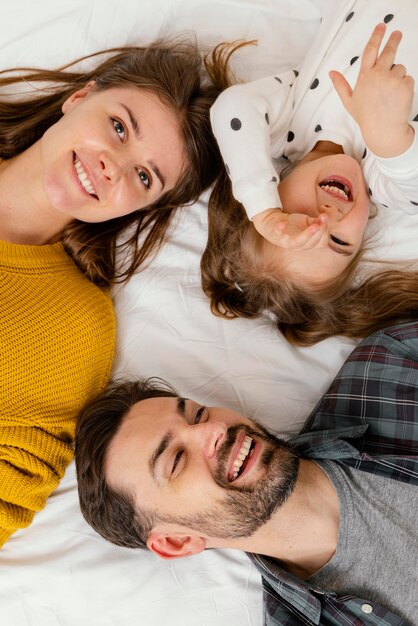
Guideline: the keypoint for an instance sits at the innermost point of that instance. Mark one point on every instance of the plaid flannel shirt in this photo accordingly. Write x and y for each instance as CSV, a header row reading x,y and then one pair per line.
x,y
368,419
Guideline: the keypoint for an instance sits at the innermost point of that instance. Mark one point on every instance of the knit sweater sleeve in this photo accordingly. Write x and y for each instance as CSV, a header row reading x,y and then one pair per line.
x,y
56,350
32,463
249,121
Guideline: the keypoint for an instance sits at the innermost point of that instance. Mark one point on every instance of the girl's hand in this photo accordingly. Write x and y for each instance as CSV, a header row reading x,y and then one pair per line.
x,y
381,100
290,230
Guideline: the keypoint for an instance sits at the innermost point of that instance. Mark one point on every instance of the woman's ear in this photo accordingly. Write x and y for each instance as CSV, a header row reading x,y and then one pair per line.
x,y
175,546
77,96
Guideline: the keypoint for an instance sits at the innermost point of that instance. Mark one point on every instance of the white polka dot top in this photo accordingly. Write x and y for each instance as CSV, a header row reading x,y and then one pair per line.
x,y
285,115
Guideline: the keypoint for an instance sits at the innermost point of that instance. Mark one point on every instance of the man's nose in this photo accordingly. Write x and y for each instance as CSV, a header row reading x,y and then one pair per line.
x,y
208,435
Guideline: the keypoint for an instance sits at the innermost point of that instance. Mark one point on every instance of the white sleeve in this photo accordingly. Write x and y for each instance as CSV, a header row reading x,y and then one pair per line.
x,y
250,122
394,181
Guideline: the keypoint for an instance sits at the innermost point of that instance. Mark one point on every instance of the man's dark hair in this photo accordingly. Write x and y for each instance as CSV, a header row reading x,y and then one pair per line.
x,y
112,513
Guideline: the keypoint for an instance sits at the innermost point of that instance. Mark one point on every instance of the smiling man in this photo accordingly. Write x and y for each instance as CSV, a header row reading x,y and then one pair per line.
x,y
326,517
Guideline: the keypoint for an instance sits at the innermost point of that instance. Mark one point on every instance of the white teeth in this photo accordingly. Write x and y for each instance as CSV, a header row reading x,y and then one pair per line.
x,y
336,191
82,177
241,456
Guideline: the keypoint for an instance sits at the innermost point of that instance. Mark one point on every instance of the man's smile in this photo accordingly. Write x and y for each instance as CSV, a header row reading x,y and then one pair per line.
x,y
242,458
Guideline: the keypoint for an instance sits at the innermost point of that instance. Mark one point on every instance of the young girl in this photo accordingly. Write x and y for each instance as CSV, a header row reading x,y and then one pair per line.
x,y
346,146
83,156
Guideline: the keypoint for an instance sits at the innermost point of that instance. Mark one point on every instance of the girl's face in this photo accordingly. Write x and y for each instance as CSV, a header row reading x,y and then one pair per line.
x,y
113,152
334,185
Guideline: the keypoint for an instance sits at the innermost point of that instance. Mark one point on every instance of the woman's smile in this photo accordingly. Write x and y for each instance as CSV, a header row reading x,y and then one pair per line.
x,y
83,177
124,148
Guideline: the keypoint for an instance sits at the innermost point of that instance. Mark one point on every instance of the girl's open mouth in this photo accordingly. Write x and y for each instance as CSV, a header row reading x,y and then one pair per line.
x,y
337,187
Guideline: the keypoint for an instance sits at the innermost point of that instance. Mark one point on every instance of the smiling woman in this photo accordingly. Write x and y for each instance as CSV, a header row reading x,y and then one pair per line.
x,y
85,154
133,153
347,142
93,152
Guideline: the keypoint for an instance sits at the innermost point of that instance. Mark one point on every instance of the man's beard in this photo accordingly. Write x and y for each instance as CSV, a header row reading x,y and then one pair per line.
x,y
245,508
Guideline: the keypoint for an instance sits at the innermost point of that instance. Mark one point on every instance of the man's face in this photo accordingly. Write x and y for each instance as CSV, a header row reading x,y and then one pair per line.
x,y
203,468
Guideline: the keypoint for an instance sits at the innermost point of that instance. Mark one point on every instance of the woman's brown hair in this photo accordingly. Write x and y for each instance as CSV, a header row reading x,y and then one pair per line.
x,y
178,74
240,283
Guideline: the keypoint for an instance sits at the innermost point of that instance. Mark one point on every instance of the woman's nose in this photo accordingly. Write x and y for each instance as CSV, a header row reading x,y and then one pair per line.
x,y
110,167
209,435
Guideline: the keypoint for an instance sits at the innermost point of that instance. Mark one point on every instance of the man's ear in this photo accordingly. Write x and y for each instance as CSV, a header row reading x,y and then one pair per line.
x,y
175,546
77,96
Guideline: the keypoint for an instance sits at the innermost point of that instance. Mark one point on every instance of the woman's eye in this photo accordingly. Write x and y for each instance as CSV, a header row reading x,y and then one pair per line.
x,y
119,128
338,241
176,460
144,178
199,414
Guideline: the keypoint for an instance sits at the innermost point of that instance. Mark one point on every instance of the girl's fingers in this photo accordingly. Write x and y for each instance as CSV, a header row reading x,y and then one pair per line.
x,y
309,237
315,237
399,70
371,51
341,86
388,54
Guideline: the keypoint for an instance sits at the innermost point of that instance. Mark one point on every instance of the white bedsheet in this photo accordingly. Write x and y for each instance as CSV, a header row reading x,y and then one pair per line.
x,y
58,572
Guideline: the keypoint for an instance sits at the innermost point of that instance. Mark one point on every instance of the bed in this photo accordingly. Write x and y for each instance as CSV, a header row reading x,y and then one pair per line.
x,y
59,572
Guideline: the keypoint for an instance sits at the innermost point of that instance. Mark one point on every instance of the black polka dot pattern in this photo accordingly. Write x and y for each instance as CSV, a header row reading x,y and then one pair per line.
x,y
296,73
315,84
349,16
274,180
290,136
267,118
318,127
385,205
415,119
364,153
388,18
279,80
353,60
370,191
414,203
235,123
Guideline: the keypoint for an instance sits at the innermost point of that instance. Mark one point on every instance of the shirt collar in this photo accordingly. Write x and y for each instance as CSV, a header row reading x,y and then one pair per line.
x,y
329,443
304,597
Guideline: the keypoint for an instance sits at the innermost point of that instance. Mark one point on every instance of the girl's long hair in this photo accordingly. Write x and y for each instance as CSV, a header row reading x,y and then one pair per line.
x,y
180,76
240,283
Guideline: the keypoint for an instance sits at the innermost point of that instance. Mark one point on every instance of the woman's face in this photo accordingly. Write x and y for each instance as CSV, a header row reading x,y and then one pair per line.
x,y
113,152
333,185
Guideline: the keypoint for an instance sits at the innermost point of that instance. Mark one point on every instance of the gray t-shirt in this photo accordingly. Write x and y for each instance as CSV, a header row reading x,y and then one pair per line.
x,y
377,550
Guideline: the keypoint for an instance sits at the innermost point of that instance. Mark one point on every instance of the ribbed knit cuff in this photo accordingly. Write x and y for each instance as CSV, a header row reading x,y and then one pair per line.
x,y
5,535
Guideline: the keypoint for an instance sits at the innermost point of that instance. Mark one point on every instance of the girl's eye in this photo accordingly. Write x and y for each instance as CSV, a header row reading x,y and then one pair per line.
x,y
338,241
176,460
144,178
199,414
119,128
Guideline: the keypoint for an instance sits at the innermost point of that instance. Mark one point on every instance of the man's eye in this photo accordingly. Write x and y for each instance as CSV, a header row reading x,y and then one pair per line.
x,y
176,460
199,414
338,241
119,128
144,178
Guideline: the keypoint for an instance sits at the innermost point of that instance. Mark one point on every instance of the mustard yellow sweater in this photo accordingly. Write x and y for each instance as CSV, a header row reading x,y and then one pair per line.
x,y
57,333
